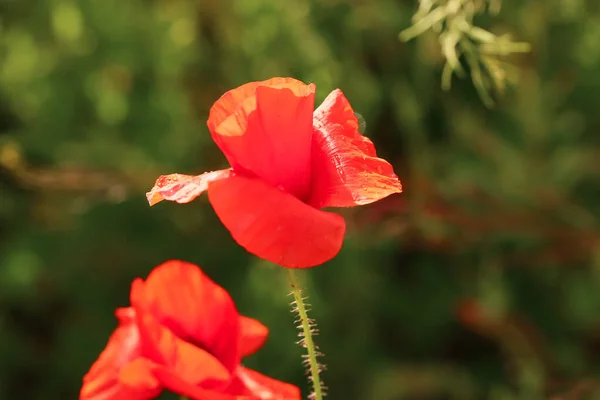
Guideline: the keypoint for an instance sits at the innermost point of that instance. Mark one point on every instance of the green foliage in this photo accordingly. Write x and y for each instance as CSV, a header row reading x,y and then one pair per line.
x,y
452,20
481,281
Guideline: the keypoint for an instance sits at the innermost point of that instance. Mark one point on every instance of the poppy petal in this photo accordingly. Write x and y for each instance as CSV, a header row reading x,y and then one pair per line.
x,y
275,225
160,345
254,334
177,385
264,387
346,170
138,376
182,188
193,307
102,381
265,128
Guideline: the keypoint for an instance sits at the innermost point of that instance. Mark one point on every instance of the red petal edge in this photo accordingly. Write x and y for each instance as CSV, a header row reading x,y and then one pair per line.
x,y
346,171
222,119
253,335
102,382
264,387
182,188
174,383
274,225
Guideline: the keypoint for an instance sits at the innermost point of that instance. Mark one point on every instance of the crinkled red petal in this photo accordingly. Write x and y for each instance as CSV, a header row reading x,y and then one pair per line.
x,y
182,188
102,381
160,345
346,171
253,335
185,300
265,129
274,225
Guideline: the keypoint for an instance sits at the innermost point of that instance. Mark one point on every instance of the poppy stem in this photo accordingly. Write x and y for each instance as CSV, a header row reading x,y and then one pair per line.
x,y
307,341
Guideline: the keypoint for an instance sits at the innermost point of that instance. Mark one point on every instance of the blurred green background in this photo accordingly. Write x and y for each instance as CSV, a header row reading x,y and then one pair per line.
x,y
480,281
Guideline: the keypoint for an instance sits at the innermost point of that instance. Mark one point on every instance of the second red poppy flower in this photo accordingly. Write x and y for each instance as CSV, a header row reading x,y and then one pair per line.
x,y
184,334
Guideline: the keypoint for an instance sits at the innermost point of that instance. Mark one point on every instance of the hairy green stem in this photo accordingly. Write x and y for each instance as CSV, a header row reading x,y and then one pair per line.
x,y
308,338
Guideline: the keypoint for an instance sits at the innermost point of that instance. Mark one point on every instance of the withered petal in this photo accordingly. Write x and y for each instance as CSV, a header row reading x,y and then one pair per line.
x,y
346,171
182,188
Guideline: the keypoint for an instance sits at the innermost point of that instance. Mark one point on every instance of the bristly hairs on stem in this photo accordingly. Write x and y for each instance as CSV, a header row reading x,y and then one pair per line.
x,y
308,329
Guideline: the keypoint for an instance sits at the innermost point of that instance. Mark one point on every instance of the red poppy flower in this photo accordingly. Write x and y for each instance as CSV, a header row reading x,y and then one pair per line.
x,y
182,333
287,162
